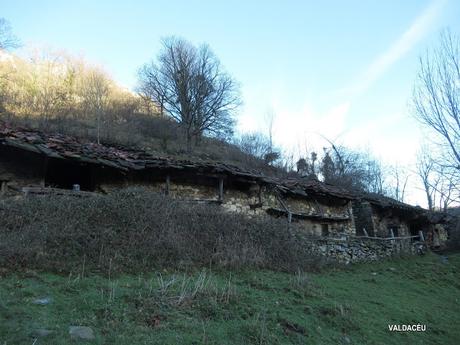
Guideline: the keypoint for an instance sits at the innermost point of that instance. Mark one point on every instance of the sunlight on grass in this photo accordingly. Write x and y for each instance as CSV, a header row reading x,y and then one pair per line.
x,y
352,305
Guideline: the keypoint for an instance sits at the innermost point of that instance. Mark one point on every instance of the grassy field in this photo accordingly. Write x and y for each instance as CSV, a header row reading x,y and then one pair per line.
x,y
348,306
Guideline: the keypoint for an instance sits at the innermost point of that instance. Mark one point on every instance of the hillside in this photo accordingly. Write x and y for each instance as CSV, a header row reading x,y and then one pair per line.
x,y
352,306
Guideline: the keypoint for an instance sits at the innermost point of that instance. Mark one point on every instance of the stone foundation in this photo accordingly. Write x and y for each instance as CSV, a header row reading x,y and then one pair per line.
x,y
349,249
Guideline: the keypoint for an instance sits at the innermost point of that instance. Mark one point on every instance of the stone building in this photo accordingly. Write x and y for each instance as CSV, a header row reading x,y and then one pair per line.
x,y
33,162
380,216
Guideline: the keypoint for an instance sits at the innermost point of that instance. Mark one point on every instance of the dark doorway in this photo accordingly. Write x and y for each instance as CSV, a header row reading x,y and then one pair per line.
x,y
415,227
63,174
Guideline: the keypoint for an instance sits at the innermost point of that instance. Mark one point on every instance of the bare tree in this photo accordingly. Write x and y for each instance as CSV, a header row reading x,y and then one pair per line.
x,y
194,90
436,102
436,96
270,119
150,96
426,170
447,192
352,169
254,144
306,166
7,39
400,178
97,91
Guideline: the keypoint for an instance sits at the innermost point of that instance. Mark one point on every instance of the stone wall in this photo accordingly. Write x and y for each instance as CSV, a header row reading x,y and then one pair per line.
x,y
362,214
377,221
312,206
383,221
350,249
255,202
321,228
249,204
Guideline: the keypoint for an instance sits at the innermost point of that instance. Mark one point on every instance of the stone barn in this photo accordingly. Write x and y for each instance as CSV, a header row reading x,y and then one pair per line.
x,y
33,162
380,216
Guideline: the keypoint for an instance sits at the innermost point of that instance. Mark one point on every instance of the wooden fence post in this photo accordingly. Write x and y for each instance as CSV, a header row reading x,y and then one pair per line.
x,y
420,234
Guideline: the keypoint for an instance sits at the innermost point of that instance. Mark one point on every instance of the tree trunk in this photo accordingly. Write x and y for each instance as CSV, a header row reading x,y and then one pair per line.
x,y
189,142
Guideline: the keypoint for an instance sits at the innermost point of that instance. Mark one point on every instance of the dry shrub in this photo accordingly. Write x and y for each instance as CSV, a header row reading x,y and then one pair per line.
x,y
136,230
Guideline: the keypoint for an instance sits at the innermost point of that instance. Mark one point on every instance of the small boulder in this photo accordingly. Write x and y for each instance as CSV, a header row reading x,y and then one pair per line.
x,y
42,301
346,340
42,332
81,333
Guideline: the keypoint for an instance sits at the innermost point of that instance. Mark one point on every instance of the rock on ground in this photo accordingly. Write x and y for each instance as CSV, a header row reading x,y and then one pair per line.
x,y
81,332
42,301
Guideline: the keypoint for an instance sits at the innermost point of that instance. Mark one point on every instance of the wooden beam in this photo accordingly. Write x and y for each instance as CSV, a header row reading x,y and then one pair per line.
x,y
168,184
221,189
285,207
295,215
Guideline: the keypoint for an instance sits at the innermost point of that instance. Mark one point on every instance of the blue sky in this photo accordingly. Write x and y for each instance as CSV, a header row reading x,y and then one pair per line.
x,y
343,69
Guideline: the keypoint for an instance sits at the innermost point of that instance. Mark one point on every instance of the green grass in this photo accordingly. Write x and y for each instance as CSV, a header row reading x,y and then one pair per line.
x,y
353,305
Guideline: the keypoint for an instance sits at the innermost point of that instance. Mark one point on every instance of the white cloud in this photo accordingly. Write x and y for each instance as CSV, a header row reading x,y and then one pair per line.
x,y
417,30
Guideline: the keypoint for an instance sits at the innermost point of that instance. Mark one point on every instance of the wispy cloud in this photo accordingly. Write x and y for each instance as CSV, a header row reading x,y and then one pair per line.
x,y
306,125
417,30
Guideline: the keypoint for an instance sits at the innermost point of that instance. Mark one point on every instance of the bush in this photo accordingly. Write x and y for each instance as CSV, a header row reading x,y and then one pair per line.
x,y
136,230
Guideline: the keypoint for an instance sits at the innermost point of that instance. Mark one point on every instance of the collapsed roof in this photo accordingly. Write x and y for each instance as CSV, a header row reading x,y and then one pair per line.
x,y
59,146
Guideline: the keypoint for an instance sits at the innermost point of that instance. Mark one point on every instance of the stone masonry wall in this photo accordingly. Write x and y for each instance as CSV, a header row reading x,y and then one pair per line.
x,y
242,202
256,201
383,222
349,250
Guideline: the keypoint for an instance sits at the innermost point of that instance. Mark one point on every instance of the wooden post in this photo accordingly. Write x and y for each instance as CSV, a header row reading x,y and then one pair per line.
x,y
44,172
420,234
168,184
286,209
3,188
221,189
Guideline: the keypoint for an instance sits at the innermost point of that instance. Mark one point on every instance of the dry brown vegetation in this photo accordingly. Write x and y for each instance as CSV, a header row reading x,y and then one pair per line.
x,y
134,230
55,92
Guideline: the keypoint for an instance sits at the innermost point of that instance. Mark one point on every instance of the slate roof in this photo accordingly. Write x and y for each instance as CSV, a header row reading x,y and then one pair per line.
x,y
317,187
387,202
61,146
